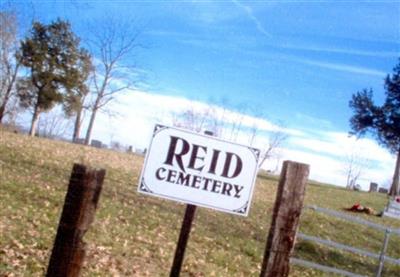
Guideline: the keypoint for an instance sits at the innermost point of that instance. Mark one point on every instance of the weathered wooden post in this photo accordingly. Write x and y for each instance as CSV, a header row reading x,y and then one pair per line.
x,y
78,213
285,219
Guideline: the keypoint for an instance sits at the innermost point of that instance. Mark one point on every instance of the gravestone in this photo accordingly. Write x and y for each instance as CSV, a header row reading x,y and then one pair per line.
x,y
393,208
80,141
383,190
373,187
96,143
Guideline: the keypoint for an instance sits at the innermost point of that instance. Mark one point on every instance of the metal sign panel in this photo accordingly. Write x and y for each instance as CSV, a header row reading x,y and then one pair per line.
x,y
199,170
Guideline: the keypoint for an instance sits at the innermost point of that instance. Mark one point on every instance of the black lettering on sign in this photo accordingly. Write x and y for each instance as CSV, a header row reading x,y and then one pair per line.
x,y
194,157
227,165
195,181
198,182
206,181
158,173
214,161
216,186
183,179
238,189
178,156
171,175
226,189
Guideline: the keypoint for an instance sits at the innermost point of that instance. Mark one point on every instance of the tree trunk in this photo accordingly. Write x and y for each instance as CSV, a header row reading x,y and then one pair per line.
x,y
8,94
90,127
3,106
348,182
77,126
35,120
395,188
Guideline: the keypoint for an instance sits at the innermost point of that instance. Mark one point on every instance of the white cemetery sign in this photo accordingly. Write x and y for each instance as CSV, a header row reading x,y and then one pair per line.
x,y
199,170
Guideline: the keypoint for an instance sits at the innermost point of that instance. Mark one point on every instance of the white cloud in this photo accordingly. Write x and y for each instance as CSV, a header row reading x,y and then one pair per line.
x,y
330,170
369,148
326,153
322,168
138,107
340,144
313,121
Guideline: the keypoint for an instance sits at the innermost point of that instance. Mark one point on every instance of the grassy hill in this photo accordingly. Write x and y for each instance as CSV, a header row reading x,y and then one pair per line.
x,y
135,235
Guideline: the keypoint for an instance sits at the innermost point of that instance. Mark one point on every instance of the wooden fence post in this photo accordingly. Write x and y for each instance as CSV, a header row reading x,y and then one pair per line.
x,y
285,219
78,213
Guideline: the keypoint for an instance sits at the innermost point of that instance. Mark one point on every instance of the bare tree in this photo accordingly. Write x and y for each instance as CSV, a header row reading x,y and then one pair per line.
x,y
54,124
112,43
275,140
197,119
253,133
227,124
230,122
354,165
9,63
13,112
235,126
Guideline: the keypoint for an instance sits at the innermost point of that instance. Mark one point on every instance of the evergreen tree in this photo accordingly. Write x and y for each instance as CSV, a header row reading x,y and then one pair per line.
x,y
52,55
382,121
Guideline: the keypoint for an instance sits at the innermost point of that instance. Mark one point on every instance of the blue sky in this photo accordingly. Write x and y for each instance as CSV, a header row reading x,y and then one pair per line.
x,y
296,62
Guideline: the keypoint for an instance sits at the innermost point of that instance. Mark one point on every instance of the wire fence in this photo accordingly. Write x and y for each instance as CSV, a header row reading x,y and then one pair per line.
x,y
381,256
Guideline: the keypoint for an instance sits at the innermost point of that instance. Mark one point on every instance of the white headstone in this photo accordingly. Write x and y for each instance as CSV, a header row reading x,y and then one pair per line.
x,y
393,208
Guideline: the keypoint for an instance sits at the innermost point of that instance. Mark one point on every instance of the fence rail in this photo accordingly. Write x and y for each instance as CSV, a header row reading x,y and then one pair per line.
x,y
379,256
347,248
354,219
323,268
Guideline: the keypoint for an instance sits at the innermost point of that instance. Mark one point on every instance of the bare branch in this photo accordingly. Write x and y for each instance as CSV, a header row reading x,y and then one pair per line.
x,y
354,165
275,141
113,45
